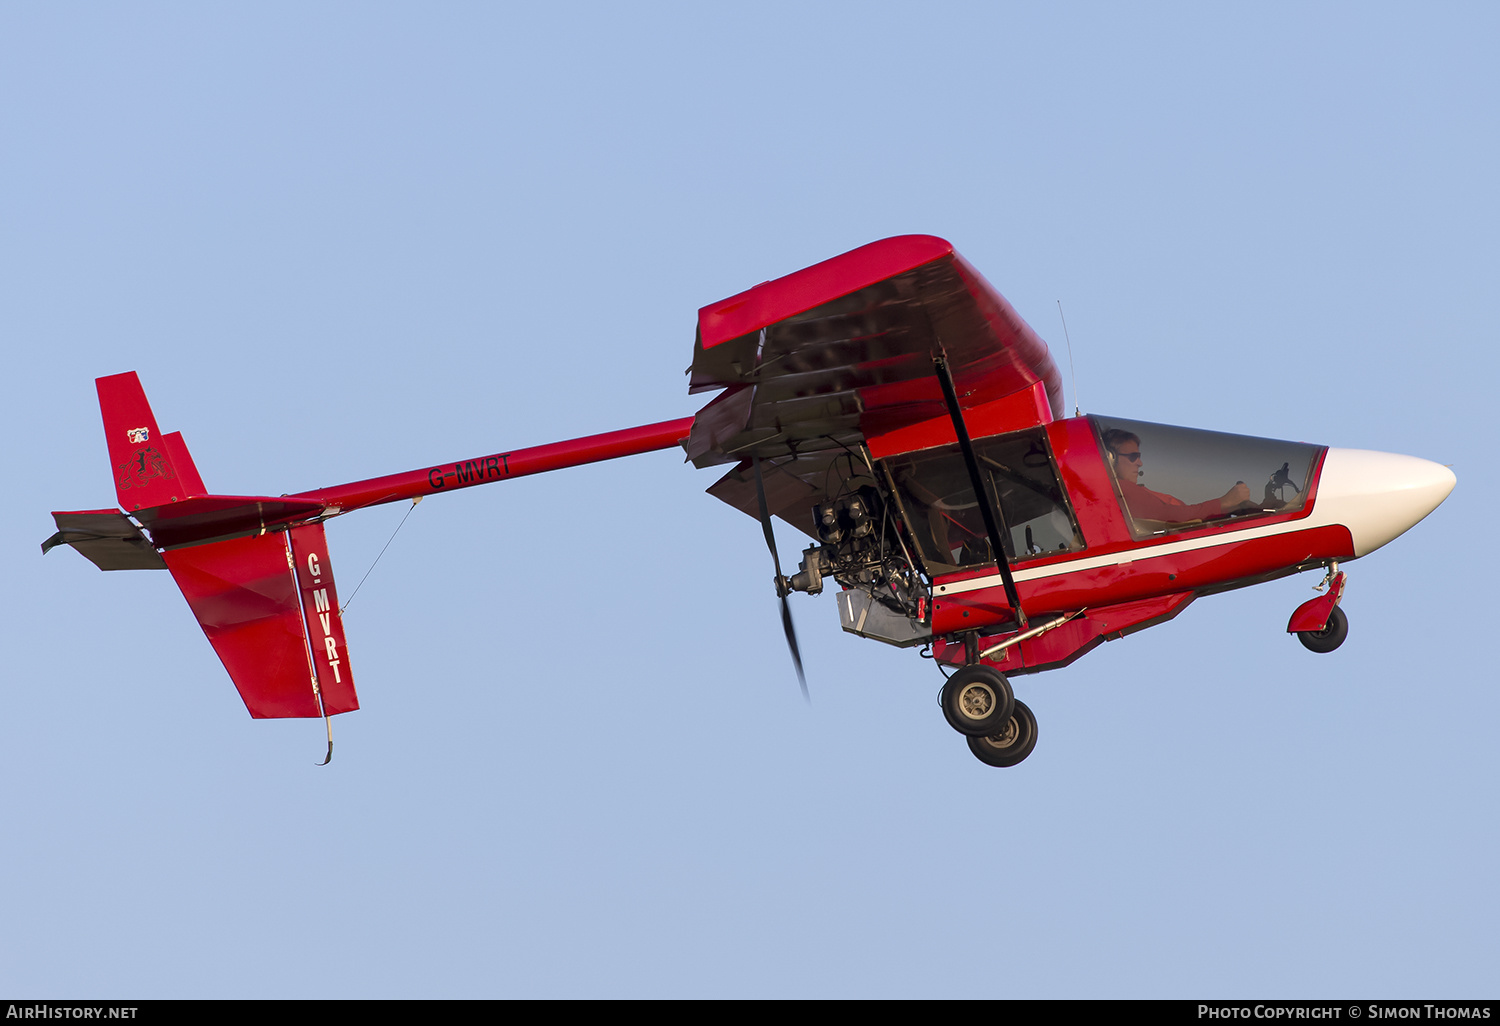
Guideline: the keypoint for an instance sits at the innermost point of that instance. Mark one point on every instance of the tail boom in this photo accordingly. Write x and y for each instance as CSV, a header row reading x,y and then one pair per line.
x,y
500,466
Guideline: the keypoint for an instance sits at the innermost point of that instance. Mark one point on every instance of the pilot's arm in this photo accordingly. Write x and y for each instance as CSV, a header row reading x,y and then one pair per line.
x,y
1144,504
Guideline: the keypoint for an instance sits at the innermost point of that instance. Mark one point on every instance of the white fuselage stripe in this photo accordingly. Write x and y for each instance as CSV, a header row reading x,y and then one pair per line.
x,y
1133,555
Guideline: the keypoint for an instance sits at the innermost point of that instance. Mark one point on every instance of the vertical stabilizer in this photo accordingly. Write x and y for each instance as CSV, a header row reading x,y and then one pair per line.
x,y
323,618
244,592
149,469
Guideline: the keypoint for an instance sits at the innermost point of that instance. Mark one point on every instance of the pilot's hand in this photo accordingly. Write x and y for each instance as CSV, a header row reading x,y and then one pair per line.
x,y
1237,496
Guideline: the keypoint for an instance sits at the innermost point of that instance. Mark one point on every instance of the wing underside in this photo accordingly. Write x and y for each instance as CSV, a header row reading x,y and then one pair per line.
x,y
817,365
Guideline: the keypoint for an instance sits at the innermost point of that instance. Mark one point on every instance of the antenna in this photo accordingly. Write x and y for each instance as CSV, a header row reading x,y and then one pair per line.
x,y
1077,411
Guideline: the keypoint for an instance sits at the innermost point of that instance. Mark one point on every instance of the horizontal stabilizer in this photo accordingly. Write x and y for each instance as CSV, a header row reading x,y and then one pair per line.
x,y
107,538
208,517
245,595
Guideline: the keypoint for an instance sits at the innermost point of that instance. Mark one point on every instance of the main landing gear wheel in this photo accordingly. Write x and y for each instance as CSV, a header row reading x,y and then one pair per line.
x,y
1330,637
977,700
1010,745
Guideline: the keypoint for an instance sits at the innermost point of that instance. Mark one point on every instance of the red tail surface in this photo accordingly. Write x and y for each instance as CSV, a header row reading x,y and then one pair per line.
x,y
259,614
254,568
150,469
321,615
261,588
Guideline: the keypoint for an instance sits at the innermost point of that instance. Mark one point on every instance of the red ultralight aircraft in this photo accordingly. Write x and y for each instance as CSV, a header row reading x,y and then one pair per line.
x,y
891,405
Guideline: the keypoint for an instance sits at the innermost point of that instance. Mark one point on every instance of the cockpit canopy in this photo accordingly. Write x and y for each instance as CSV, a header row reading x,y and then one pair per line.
x,y
1173,479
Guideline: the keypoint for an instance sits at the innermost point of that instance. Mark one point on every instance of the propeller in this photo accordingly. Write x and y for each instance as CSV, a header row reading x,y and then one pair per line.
x,y
782,588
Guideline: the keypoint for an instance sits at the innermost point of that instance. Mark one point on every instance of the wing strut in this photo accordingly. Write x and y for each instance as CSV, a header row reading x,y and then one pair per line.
x,y
781,583
994,519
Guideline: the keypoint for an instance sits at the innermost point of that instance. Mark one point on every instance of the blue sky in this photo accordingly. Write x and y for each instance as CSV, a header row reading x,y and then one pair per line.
x,y
355,239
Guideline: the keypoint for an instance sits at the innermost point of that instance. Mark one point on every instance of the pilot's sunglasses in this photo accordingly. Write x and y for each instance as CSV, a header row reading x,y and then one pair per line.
x,y
1134,456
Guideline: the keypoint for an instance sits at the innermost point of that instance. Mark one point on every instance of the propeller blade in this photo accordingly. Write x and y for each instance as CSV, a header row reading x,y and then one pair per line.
x,y
791,643
781,584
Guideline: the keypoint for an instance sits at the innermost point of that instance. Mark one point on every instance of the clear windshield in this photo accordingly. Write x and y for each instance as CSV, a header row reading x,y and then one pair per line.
x,y
943,514
1172,478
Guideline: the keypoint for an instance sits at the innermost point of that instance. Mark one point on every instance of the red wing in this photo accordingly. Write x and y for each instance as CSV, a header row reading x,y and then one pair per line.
x,y
840,355
847,352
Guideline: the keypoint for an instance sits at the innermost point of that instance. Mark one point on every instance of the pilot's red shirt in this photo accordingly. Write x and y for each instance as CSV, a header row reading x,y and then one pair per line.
x,y
1144,504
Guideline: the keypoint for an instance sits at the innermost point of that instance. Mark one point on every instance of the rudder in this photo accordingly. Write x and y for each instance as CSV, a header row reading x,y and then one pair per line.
x,y
149,468
260,609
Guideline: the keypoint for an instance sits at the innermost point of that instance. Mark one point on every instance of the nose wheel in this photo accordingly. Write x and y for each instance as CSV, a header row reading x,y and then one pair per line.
x,y
1012,743
1319,623
1330,637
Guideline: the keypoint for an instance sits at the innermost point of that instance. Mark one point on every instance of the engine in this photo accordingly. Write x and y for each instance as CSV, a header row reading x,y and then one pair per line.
x,y
862,549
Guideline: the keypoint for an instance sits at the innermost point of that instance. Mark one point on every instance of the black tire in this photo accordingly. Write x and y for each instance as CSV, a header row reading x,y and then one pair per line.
x,y
1330,637
977,700
1010,745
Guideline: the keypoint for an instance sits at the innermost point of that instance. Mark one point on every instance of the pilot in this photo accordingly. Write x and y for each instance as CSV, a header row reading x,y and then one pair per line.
x,y
1125,456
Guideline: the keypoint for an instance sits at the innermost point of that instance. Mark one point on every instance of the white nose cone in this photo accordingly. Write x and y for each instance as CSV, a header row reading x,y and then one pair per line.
x,y
1379,495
